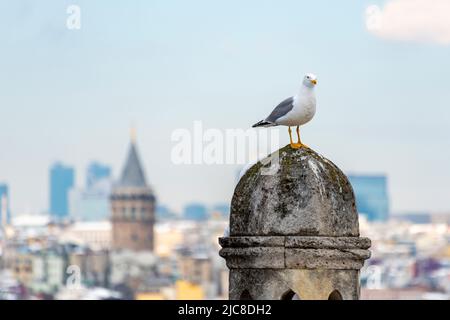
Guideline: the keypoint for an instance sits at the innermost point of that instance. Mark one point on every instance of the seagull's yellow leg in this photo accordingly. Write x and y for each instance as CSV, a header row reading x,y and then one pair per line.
x,y
299,143
290,135
293,145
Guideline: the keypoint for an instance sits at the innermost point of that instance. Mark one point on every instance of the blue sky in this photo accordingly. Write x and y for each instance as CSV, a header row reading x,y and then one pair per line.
x,y
71,95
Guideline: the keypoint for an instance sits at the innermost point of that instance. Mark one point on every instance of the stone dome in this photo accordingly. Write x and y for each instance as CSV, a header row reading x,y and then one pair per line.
x,y
305,195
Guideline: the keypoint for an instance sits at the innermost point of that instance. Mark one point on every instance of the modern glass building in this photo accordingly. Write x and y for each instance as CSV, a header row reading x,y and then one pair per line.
x,y
164,213
92,202
223,209
62,179
5,215
371,194
96,172
195,211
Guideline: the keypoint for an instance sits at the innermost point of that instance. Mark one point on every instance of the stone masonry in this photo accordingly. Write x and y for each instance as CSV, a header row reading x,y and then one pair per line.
x,y
294,233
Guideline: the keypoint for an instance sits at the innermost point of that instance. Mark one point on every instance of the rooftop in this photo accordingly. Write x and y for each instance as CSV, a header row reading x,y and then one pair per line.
x,y
133,174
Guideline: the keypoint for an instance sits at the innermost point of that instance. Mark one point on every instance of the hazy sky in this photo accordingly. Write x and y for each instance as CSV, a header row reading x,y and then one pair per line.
x,y
71,95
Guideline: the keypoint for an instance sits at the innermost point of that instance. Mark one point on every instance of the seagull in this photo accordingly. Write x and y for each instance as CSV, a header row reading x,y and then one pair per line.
x,y
294,111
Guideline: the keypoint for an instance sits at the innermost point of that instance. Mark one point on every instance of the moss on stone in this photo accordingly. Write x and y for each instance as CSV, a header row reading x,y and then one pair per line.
x,y
308,194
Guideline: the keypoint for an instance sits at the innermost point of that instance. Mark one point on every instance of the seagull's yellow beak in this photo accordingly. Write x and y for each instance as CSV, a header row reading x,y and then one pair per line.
x,y
314,81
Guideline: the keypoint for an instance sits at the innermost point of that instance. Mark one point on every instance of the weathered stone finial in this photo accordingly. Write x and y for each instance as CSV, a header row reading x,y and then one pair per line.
x,y
294,232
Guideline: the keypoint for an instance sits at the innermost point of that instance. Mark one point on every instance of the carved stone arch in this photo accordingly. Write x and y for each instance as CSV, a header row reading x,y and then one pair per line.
x,y
245,295
290,295
335,295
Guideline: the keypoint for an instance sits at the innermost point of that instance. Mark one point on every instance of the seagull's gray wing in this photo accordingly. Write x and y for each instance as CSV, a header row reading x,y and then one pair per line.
x,y
281,110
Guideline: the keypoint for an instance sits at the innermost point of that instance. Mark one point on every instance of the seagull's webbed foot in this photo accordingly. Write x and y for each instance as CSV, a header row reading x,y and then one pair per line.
x,y
298,145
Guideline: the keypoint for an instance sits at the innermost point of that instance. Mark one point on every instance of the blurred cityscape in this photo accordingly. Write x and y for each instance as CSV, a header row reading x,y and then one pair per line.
x,y
112,240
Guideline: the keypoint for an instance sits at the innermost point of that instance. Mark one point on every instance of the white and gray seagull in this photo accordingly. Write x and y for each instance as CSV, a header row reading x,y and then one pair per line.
x,y
294,111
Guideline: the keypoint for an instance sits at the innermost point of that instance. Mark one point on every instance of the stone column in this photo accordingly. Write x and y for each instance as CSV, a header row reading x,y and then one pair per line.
x,y
294,234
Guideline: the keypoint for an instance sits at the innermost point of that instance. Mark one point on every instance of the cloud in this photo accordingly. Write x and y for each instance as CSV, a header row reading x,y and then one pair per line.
x,y
423,21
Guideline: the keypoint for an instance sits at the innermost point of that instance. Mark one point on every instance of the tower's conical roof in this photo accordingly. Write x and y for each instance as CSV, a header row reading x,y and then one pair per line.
x,y
133,174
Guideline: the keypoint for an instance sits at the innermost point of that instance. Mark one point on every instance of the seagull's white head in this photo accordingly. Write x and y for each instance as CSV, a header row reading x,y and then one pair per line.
x,y
310,80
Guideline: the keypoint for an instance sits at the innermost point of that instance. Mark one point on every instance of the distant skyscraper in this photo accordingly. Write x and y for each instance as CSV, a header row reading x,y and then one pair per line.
x,y
415,217
133,207
91,203
62,179
95,172
223,209
372,198
5,214
195,211
164,213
